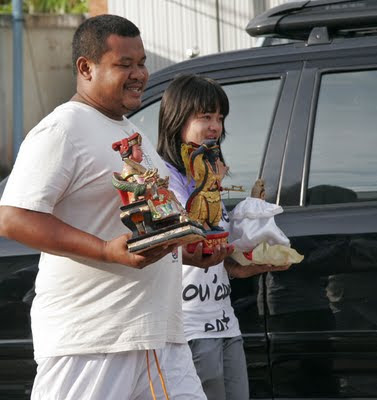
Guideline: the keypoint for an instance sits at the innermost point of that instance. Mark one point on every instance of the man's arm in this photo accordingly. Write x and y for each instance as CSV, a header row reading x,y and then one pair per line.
x,y
49,234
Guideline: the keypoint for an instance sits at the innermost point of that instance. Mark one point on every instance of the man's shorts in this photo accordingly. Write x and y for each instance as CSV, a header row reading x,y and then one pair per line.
x,y
119,376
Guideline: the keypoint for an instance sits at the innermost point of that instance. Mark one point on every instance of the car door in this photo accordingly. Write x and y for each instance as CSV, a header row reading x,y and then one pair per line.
x,y
321,314
18,268
257,94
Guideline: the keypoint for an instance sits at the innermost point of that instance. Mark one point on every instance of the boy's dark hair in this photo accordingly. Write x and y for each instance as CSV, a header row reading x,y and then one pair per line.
x,y
185,96
90,37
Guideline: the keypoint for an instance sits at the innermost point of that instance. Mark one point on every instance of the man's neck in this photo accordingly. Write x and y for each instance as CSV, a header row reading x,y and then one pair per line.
x,y
82,99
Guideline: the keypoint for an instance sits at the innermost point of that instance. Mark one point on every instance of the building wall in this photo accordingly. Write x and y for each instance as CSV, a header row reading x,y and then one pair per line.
x,y
47,72
174,30
97,7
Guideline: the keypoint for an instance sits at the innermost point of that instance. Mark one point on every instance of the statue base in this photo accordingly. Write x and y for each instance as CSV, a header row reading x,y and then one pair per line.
x,y
179,234
212,239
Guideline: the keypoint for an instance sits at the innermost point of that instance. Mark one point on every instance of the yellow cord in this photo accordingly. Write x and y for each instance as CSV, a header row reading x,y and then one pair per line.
x,y
159,374
149,377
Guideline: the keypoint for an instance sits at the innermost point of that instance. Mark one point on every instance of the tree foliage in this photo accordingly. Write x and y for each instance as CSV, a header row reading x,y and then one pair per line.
x,y
48,6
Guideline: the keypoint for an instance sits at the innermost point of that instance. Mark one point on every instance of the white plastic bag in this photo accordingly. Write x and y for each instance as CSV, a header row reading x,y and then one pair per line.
x,y
252,222
256,237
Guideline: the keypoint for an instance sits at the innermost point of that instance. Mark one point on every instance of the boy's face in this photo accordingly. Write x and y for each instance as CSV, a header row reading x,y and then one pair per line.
x,y
119,79
202,126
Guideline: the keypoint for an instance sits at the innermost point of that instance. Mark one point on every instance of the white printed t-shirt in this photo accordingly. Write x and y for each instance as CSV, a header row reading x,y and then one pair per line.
x,y
64,167
207,310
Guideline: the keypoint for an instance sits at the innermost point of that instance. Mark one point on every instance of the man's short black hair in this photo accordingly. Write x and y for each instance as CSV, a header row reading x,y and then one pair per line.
x,y
90,37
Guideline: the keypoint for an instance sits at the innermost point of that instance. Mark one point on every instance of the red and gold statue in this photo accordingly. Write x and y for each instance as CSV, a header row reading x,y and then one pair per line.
x,y
203,164
150,210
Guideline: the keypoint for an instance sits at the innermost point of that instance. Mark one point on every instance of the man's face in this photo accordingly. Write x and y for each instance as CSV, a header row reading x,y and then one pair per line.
x,y
118,81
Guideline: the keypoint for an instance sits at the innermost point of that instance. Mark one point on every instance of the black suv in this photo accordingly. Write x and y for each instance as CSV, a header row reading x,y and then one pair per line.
x,y
303,117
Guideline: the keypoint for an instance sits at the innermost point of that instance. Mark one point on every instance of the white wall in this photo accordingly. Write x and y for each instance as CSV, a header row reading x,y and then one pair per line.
x,y
170,28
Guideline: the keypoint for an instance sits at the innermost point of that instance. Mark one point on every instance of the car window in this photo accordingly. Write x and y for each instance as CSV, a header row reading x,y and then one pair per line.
x,y
248,123
147,121
343,161
2,185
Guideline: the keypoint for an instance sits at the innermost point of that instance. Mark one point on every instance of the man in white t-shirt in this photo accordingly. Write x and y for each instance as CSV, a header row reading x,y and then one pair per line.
x,y
104,326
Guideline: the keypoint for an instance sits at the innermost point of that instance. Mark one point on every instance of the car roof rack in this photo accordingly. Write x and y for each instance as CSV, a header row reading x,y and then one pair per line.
x,y
316,21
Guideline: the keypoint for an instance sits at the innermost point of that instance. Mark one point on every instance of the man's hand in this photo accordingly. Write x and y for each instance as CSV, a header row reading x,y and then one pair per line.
x,y
115,251
198,259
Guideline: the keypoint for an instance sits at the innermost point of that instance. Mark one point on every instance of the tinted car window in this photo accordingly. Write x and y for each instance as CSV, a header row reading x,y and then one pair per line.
x,y
147,121
251,110
343,162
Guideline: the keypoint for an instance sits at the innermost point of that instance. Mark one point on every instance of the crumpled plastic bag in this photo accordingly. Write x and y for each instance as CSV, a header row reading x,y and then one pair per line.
x,y
264,254
256,237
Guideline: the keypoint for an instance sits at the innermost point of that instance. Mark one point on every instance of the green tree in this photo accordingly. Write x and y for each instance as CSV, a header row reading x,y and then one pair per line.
x,y
48,6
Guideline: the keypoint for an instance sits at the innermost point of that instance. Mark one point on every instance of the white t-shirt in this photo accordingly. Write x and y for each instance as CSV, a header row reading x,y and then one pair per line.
x,y
207,310
64,167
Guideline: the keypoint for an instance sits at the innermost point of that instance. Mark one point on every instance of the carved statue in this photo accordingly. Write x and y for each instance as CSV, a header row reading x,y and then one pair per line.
x,y
202,163
150,210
